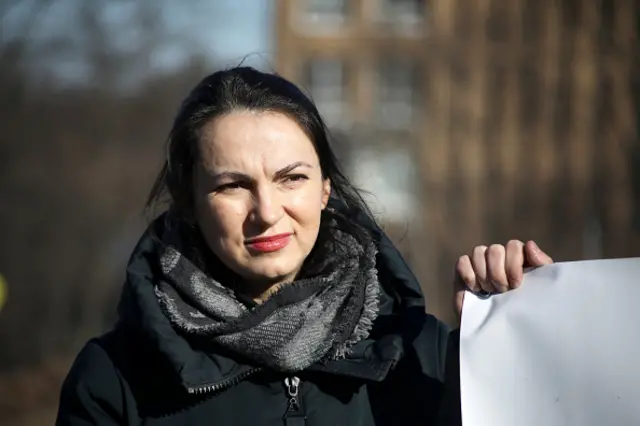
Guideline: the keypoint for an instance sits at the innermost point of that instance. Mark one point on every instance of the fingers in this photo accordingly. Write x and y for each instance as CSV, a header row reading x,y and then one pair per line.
x,y
514,262
493,269
496,273
465,278
458,301
465,275
479,263
484,269
534,256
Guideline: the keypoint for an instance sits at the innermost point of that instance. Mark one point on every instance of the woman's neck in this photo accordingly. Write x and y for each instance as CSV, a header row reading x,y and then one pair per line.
x,y
261,290
261,297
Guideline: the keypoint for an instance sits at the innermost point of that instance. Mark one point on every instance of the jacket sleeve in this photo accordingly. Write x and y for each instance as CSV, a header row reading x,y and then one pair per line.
x,y
413,391
91,393
450,409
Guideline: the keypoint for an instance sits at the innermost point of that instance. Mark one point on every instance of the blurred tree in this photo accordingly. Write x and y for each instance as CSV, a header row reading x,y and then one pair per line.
x,y
76,160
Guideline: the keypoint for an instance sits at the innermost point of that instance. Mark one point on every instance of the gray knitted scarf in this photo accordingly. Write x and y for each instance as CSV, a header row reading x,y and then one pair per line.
x,y
314,319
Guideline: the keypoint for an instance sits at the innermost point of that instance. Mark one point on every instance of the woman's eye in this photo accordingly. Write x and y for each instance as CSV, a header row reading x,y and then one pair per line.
x,y
295,178
229,187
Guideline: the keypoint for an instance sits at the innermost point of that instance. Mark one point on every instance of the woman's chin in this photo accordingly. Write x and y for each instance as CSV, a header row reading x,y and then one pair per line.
x,y
273,275
275,269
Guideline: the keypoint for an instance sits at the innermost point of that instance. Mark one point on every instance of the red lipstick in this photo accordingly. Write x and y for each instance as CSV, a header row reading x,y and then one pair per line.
x,y
269,244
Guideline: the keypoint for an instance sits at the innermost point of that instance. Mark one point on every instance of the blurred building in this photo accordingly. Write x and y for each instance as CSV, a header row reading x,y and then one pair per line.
x,y
479,121
364,63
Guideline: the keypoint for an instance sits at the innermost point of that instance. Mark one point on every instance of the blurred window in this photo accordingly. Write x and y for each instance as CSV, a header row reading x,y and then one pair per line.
x,y
325,80
409,12
327,11
387,174
399,90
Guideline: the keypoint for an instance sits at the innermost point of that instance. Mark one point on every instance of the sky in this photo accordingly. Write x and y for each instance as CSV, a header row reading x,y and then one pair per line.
x,y
224,31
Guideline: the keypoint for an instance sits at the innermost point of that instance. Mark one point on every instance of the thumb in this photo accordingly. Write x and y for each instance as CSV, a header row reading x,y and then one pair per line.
x,y
535,256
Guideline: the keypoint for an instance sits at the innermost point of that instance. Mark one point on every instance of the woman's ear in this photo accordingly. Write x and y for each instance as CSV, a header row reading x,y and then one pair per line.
x,y
326,192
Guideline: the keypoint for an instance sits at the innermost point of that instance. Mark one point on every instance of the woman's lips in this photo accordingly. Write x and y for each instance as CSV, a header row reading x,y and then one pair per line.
x,y
269,244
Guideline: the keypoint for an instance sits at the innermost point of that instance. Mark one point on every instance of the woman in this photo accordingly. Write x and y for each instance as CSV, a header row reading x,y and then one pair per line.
x,y
266,294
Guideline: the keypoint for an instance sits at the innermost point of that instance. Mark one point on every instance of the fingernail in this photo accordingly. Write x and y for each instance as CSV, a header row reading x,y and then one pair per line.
x,y
501,288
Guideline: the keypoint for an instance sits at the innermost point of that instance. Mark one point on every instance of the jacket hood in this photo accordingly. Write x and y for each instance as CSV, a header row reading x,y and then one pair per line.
x,y
401,303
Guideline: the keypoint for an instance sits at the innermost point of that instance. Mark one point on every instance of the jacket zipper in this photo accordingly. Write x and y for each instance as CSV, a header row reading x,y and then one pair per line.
x,y
217,387
294,416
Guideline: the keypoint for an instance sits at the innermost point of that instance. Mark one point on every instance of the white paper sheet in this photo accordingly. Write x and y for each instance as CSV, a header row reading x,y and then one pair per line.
x,y
562,350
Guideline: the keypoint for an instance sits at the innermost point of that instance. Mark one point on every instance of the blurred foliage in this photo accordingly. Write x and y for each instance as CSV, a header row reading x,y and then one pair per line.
x,y
76,162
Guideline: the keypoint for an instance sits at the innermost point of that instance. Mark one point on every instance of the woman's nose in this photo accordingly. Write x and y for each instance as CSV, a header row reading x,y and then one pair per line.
x,y
268,209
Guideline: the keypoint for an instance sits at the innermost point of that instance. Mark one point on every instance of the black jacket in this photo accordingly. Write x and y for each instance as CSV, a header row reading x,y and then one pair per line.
x,y
144,373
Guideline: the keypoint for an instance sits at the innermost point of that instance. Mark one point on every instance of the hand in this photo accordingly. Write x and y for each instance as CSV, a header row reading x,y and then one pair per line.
x,y
495,269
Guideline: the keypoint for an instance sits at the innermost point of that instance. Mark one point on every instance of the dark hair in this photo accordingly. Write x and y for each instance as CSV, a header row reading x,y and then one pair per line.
x,y
243,88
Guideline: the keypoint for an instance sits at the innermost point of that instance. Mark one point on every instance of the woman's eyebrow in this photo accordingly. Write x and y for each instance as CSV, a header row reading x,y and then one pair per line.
x,y
283,171
235,175
230,175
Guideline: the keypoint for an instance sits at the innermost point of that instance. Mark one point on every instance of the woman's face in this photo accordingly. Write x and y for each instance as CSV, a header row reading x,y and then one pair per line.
x,y
259,193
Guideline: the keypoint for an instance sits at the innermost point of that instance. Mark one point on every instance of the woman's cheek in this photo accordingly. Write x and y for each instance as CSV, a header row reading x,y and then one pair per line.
x,y
307,199
225,218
